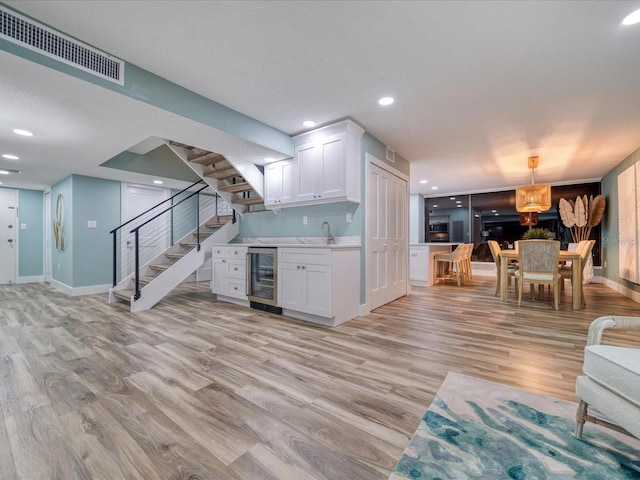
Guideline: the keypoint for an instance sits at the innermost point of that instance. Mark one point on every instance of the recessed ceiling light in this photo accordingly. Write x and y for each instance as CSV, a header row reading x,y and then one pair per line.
x,y
493,211
309,123
458,201
434,188
423,181
386,101
8,171
497,214
632,18
10,157
435,206
24,133
452,198
4,172
459,206
158,182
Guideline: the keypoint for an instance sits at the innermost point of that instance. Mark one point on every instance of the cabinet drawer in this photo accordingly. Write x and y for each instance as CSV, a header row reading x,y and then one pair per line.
x,y
236,288
229,252
230,267
307,256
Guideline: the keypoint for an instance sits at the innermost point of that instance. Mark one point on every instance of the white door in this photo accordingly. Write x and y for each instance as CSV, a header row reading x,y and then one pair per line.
x,y
154,238
386,236
47,237
8,235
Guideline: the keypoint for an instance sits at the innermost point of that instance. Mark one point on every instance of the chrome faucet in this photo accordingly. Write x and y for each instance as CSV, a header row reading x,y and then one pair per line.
x,y
330,238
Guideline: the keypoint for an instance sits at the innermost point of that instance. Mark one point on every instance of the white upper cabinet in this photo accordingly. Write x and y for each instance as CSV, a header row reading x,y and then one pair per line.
x,y
280,183
325,168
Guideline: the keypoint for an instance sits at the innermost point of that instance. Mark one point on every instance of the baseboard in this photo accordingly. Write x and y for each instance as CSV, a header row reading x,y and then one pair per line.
x,y
31,279
77,291
627,292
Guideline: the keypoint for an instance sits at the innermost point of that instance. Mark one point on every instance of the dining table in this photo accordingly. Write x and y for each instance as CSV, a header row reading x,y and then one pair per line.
x,y
507,256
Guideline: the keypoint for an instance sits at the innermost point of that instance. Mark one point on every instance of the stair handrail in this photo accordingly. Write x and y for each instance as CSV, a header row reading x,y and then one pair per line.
x,y
114,232
136,231
155,206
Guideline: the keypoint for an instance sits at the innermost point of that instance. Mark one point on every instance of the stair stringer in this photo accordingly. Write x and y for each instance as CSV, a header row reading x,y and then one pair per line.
x,y
166,281
248,170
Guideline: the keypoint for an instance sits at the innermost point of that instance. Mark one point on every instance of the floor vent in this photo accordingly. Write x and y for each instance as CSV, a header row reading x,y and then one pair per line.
x,y
27,33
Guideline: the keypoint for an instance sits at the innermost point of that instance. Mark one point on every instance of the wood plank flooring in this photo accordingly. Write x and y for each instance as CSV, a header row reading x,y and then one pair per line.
x,y
198,389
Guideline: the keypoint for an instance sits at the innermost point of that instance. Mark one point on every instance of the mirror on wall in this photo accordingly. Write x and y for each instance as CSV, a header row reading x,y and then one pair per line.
x,y
479,217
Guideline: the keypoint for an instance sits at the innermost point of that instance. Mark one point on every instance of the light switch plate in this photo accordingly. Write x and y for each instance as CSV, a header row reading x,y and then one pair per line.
x,y
304,220
349,217
23,226
92,224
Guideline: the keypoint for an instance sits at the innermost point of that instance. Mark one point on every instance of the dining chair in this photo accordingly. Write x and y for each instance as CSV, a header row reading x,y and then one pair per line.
x,y
451,265
466,262
538,262
585,248
494,247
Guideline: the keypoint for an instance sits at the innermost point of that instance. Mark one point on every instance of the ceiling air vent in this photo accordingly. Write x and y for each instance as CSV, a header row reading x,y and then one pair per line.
x,y
391,155
29,34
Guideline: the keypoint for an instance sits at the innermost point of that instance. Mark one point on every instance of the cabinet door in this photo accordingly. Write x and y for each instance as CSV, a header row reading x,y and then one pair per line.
x,y
279,183
290,286
307,174
317,286
332,171
219,280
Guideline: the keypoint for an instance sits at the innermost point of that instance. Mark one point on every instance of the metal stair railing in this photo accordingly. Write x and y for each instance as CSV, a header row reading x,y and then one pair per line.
x,y
117,230
161,228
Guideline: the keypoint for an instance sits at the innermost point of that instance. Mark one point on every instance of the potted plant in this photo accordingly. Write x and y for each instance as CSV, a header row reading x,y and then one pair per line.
x,y
580,216
538,234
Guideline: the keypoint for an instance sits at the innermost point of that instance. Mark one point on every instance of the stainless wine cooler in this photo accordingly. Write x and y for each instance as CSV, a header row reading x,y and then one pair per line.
x,y
262,270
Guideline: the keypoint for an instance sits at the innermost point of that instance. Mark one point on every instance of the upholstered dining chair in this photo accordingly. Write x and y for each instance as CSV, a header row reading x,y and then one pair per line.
x,y
494,247
538,264
584,248
611,380
451,265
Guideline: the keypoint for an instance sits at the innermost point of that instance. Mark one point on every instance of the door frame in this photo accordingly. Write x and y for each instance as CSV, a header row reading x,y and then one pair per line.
x,y
372,160
47,258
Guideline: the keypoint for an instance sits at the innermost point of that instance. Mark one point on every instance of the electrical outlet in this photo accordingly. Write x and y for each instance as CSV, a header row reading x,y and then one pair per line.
x,y
605,264
349,217
304,220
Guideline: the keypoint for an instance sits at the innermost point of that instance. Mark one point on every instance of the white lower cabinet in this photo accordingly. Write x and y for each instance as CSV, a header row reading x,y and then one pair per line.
x,y
229,271
319,284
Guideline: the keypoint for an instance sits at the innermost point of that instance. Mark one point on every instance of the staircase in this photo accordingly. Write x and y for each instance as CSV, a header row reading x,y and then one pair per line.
x,y
159,275
244,191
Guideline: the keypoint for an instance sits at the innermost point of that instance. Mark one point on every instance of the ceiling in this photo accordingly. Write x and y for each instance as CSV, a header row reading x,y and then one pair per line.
x,y
479,85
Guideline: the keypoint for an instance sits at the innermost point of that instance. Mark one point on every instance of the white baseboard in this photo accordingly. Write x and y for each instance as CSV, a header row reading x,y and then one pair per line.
x,y
76,291
31,279
627,292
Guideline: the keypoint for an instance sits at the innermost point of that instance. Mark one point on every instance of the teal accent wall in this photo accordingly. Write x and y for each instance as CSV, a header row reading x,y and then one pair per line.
x,y
31,246
98,200
610,226
87,257
62,260
288,222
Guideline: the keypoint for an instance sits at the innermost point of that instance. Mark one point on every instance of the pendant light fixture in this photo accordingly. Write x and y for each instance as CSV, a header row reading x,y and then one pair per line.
x,y
533,198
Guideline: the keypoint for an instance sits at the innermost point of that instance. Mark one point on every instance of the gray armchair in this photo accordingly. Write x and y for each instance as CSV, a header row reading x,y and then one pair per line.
x,y
611,380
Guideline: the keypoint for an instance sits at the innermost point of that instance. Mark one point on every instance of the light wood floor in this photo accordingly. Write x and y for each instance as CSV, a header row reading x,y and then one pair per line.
x,y
196,389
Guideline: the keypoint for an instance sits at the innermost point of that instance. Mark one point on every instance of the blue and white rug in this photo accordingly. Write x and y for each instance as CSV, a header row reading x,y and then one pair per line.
x,y
476,429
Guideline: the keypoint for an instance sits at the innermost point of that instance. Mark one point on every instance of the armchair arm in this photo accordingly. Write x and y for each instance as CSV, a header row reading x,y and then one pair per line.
x,y
599,325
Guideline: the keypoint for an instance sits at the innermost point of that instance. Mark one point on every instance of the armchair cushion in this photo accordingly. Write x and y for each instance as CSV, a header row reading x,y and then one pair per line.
x,y
615,368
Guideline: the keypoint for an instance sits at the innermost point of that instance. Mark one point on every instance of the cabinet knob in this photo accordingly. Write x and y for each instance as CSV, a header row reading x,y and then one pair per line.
x,y
224,261
303,267
298,267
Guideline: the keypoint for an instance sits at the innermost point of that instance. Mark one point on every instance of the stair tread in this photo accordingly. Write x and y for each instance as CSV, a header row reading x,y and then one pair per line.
x,y
182,145
174,255
123,294
159,266
188,244
236,187
248,201
207,158
222,174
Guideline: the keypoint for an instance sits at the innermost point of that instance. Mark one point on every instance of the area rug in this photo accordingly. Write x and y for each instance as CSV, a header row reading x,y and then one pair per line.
x,y
476,429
